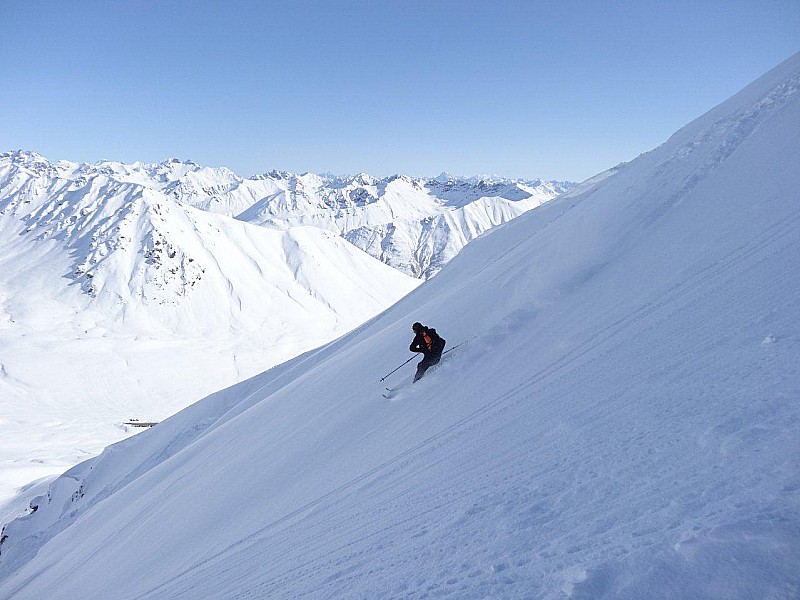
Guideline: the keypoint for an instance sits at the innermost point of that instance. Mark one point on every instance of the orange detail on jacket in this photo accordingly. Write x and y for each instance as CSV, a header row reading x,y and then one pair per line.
x,y
428,341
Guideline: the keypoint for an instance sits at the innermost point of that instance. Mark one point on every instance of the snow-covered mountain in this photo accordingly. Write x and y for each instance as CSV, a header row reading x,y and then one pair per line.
x,y
146,258
415,225
623,423
117,301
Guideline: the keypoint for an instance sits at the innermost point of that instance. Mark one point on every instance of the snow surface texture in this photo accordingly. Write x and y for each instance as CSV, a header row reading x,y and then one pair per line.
x,y
625,423
118,302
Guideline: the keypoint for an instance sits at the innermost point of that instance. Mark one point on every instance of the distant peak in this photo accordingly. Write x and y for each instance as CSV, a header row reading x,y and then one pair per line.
x,y
273,174
179,161
23,156
444,177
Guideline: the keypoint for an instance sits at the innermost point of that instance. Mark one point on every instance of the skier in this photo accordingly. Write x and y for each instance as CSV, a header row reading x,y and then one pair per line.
x,y
427,341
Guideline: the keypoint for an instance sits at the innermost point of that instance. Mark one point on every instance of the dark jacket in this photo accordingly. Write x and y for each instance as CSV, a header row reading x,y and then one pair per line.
x,y
420,345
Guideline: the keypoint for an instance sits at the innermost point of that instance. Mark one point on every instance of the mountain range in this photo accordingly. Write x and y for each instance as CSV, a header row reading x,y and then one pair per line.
x,y
413,224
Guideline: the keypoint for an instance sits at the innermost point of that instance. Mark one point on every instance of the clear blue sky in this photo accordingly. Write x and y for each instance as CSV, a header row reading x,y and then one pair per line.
x,y
560,90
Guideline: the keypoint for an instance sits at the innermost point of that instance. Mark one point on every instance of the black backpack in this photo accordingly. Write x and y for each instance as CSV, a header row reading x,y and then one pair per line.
x,y
437,341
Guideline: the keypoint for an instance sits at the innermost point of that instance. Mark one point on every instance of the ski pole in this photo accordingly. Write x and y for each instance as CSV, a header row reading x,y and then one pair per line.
x,y
457,345
398,368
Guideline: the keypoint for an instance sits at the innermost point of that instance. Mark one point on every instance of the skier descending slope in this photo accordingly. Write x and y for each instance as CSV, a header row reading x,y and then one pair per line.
x,y
430,344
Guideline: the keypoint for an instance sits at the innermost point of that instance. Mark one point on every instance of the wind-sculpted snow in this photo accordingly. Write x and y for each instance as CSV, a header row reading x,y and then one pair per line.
x,y
623,423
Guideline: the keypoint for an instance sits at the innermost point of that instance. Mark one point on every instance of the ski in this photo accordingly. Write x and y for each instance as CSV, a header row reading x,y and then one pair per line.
x,y
389,393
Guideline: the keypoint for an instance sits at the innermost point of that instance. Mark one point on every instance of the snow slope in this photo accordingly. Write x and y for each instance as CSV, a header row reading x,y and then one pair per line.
x,y
624,423
118,302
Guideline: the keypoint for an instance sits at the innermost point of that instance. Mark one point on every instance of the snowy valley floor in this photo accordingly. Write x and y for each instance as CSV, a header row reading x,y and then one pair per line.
x,y
66,399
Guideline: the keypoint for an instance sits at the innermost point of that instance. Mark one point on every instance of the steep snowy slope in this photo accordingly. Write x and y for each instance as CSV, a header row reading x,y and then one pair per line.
x,y
118,302
624,423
